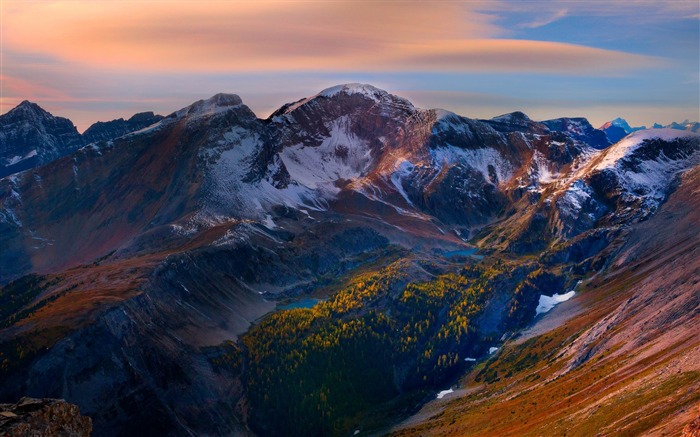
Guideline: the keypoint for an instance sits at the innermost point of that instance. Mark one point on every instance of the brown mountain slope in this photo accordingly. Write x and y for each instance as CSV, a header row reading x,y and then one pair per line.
x,y
629,364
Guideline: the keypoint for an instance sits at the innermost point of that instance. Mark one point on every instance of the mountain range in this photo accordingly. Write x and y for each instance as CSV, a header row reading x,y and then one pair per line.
x,y
330,268
618,128
30,136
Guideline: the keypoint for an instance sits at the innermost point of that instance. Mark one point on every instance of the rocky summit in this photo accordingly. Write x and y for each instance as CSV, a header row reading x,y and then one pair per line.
x,y
351,264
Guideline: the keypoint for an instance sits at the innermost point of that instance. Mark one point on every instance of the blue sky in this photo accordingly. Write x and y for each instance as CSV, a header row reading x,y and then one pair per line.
x,y
101,60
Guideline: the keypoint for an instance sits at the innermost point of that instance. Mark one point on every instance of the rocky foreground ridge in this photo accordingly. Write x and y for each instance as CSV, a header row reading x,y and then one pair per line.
x,y
43,418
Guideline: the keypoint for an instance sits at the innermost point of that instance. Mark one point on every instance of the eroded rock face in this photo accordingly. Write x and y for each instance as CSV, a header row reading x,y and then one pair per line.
x,y
43,418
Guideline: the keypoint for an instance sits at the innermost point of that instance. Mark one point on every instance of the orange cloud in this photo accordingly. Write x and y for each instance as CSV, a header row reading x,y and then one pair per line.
x,y
291,36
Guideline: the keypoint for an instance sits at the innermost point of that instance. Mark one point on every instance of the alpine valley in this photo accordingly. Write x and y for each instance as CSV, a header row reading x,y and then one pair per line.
x,y
351,265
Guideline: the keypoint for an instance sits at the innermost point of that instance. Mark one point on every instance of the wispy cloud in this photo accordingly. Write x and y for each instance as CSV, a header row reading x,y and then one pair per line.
x,y
102,59
285,36
558,15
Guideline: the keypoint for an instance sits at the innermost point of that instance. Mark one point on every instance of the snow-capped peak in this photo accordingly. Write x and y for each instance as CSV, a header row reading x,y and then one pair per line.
x,y
217,103
632,141
368,91
622,124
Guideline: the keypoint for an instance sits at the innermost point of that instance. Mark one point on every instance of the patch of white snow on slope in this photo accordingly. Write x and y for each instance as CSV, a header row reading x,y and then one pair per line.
x,y
230,192
341,156
402,169
15,159
443,393
544,174
548,302
577,195
479,159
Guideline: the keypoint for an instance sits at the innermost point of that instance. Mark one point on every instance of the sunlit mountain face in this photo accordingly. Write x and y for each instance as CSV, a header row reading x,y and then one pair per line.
x,y
352,262
351,255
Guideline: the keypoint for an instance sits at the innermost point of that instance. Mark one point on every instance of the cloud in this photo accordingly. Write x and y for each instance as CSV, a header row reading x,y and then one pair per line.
x,y
639,11
101,59
506,55
561,13
286,36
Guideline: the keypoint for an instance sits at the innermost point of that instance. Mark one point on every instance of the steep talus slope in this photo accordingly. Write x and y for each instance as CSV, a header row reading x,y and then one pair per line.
x,y
157,251
628,365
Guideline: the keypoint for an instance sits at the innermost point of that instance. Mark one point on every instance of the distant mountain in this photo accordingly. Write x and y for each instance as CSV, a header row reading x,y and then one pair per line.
x,y
685,125
104,131
618,128
146,277
580,129
621,123
31,137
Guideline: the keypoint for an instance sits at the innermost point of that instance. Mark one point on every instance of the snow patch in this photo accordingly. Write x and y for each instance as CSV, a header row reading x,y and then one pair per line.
x,y
479,159
444,393
315,173
548,302
492,350
269,223
402,169
577,195
15,159
354,88
544,174
229,190
341,155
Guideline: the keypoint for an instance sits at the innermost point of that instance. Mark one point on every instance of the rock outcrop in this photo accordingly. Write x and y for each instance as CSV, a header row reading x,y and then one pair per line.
x,y
43,418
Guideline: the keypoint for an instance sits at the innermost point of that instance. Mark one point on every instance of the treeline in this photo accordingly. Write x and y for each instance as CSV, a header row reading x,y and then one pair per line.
x,y
317,371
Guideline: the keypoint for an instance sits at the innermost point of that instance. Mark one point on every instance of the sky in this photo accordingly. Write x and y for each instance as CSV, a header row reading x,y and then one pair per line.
x,y
97,60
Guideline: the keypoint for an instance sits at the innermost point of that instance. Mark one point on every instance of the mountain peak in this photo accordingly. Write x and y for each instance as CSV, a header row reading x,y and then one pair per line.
x,y
140,116
217,103
29,107
516,117
354,88
623,124
349,89
617,122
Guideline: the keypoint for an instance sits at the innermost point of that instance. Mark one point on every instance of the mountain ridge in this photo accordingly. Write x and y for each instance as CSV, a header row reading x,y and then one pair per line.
x,y
31,136
156,261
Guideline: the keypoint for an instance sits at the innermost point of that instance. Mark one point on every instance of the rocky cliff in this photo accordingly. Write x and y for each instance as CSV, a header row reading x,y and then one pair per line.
x,y
43,418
